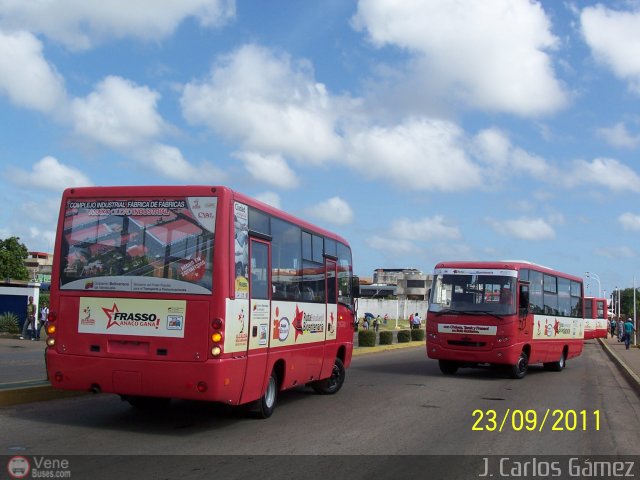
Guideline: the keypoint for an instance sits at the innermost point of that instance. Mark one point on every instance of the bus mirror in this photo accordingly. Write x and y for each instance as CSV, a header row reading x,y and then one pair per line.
x,y
355,286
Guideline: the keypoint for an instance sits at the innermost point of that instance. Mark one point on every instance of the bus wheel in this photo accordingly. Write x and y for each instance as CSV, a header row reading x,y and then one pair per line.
x,y
331,385
448,367
519,370
266,404
148,403
559,365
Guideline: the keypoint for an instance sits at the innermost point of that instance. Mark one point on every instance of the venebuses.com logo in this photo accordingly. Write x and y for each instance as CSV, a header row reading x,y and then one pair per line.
x,y
38,467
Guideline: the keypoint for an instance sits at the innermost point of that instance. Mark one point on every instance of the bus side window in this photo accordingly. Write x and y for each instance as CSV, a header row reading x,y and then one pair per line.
x,y
524,299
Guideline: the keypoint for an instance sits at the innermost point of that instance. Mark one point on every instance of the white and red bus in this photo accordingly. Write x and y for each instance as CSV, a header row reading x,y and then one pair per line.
x,y
596,322
196,292
504,313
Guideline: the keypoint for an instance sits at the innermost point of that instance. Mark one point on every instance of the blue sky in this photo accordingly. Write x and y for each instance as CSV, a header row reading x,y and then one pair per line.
x,y
420,131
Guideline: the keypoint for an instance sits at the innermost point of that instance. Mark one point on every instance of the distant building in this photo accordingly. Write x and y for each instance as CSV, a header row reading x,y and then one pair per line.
x,y
39,265
402,283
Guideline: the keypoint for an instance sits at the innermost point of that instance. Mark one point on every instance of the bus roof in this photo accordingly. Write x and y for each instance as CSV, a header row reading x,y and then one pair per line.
x,y
507,265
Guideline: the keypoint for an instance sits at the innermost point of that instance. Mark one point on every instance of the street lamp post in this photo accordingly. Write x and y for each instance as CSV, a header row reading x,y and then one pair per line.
x,y
593,275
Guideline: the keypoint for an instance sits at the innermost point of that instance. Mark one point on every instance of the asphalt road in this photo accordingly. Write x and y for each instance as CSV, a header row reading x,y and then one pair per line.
x,y
393,403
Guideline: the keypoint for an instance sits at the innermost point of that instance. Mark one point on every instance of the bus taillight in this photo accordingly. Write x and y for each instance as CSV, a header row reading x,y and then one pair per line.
x,y
51,317
216,351
216,323
216,337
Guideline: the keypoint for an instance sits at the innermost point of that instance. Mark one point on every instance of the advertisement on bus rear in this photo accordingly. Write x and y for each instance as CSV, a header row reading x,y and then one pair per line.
x,y
145,245
128,316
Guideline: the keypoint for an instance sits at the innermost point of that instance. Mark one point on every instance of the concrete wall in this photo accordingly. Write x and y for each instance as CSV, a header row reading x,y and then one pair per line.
x,y
394,308
14,298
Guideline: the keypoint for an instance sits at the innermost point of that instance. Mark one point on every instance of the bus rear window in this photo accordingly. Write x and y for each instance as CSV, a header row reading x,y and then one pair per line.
x,y
152,245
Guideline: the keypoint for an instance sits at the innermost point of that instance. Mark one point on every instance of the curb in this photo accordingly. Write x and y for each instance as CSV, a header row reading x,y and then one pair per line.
x,y
632,378
383,348
32,391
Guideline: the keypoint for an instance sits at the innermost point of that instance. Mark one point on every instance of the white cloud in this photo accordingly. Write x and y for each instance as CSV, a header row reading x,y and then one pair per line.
x,y
425,229
493,147
629,221
616,253
49,174
267,102
25,76
605,172
618,136
420,154
614,39
80,24
392,246
118,114
270,198
334,210
524,228
270,169
169,161
493,55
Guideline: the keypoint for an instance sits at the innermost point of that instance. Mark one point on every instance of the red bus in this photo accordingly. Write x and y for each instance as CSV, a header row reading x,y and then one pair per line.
x,y
595,318
504,313
196,292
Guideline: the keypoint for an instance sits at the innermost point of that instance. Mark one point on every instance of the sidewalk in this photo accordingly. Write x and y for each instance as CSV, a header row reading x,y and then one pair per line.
x,y
627,361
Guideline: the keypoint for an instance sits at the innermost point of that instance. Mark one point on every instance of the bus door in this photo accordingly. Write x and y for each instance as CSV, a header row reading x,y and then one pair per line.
x,y
332,315
259,277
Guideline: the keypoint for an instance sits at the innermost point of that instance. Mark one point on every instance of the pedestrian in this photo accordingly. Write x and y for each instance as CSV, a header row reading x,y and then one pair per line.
x,y
620,328
386,318
628,330
44,314
365,324
376,323
416,321
30,322
411,321
613,327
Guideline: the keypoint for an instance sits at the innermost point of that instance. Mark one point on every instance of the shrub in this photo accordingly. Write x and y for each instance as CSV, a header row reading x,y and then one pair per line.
x,y
404,336
366,338
417,334
386,338
9,323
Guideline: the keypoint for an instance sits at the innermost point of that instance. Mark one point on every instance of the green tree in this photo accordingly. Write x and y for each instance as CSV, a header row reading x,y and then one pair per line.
x,y
626,302
12,256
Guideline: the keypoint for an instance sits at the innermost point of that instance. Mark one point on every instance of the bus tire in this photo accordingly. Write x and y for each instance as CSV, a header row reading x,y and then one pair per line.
x,y
519,370
331,385
559,365
265,405
448,367
146,403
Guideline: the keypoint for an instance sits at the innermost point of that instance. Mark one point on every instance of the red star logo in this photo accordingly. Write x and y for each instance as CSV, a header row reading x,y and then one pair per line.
x,y
297,322
109,313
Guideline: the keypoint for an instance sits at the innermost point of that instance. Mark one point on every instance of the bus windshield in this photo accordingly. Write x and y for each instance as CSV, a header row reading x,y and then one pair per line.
x,y
151,245
474,293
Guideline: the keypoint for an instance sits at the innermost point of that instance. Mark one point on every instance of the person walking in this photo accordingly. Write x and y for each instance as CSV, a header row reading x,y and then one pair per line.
x,y
44,313
30,321
620,328
376,323
628,330
612,326
416,321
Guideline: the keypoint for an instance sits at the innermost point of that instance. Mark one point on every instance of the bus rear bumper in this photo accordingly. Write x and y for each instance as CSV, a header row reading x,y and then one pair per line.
x,y
185,380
